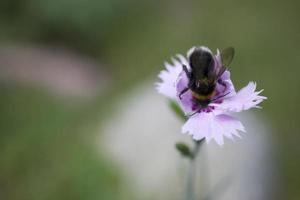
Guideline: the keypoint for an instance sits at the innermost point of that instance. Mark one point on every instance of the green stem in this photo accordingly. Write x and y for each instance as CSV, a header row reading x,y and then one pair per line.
x,y
190,186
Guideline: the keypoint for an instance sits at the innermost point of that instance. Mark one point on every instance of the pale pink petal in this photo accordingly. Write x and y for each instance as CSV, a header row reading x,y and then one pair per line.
x,y
182,60
230,125
186,101
245,99
169,77
211,126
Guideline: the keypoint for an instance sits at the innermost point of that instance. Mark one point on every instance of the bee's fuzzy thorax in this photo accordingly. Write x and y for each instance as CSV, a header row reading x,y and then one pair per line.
x,y
203,97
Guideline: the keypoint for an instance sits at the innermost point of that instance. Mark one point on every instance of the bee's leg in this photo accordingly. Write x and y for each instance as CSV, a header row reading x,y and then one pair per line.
x,y
188,74
183,91
220,81
190,115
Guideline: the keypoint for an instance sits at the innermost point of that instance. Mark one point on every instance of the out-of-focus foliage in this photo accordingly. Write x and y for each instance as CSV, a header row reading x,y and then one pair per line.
x,y
134,37
45,154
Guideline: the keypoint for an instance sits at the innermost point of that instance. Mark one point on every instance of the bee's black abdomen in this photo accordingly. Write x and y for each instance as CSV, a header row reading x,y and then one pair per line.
x,y
201,61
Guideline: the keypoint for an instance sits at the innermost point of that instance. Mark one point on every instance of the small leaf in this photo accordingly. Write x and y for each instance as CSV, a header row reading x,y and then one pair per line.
x,y
177,110
227,56
184,149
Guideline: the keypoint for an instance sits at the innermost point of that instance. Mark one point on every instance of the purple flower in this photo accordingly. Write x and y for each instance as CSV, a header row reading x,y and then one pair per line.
x,y
212,120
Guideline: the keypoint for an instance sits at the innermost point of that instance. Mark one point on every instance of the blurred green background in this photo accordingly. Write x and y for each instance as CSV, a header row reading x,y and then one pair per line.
x,y
45,141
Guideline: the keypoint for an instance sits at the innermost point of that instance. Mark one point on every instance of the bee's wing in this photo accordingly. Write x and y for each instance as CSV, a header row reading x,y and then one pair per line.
x,y
221,71
227,56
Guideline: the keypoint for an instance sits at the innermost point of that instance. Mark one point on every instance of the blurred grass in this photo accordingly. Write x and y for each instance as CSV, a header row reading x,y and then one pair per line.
x,y
134,38
46,155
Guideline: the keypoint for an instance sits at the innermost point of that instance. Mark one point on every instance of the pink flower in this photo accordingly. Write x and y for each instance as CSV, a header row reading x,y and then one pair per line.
x,y
212,121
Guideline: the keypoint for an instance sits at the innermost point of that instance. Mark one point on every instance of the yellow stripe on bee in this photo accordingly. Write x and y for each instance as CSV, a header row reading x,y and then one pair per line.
x,y
203,97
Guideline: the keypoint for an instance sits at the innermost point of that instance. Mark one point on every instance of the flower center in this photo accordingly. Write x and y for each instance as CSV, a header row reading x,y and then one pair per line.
x,y
203,105
208,109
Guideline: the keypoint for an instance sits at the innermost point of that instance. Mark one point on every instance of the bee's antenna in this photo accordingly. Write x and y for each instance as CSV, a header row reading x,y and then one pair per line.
x,y
220,97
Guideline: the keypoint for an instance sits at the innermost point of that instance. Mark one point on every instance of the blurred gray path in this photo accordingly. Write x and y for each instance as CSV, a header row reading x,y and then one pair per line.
x,y
141,137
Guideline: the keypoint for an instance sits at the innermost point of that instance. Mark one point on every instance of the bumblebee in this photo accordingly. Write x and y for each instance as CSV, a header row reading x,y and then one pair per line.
x,y
202,75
